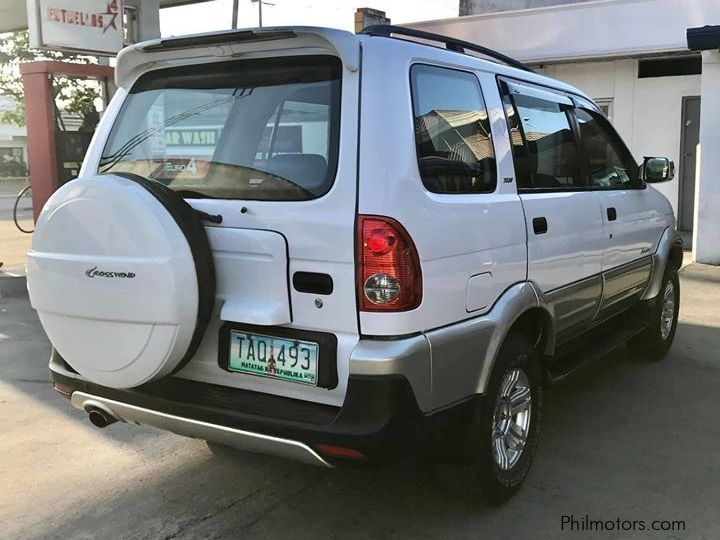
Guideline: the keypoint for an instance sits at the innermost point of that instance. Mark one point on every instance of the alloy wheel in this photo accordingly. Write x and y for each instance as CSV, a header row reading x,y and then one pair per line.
x,y
511,418
667,314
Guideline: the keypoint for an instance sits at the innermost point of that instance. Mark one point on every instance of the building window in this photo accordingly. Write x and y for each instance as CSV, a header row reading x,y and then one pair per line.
x,y
670,67
12,162
606,106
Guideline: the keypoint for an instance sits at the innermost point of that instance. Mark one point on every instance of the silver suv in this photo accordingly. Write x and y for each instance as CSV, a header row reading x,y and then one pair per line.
x,y
349,248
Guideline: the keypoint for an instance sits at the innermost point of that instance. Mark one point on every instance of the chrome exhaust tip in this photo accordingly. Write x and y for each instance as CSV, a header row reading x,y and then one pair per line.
x,y
99,417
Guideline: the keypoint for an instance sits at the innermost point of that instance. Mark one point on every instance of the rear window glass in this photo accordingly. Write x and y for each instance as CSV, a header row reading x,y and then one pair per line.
x,y
452,131
251,129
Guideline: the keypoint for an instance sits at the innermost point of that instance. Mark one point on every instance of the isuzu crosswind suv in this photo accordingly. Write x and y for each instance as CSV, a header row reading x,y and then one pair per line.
x,y
349,248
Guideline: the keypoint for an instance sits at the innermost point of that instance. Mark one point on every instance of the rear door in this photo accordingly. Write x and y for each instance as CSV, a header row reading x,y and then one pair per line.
x,y
266,148
563,219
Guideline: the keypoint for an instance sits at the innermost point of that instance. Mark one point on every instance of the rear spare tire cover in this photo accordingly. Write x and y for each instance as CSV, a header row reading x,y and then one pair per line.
x,y
121,274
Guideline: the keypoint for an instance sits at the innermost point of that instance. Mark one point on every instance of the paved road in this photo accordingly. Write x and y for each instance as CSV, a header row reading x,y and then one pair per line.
x,y
13,243
623,439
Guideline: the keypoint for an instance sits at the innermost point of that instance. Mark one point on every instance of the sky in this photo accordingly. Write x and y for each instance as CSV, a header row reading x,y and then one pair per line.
x,y
217,14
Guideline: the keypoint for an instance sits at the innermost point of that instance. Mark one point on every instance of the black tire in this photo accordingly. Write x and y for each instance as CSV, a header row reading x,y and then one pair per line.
x,y
496,484
652,343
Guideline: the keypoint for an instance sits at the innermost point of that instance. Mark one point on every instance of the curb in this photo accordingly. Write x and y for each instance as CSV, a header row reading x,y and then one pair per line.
x,y
13,287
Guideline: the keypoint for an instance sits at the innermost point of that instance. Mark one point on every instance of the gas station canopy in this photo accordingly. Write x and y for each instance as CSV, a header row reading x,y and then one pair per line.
x,y
13,13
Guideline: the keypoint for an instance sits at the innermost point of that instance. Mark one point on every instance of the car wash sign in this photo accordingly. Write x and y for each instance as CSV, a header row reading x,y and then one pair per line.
x,y
84,26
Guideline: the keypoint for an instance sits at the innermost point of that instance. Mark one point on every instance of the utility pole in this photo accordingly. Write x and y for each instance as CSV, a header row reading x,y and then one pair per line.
x,y
260,5
235,14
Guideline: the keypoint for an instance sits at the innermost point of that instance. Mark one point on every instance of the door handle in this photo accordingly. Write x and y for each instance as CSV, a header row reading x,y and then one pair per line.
x,y
540,225
611,214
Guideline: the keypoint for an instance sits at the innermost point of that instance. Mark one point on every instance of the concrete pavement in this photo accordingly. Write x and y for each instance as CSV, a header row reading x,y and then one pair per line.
x,y
13,243
624,439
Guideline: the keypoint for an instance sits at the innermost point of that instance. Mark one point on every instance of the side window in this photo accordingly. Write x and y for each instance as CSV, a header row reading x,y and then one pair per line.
x,y
609,165
551,156
452,131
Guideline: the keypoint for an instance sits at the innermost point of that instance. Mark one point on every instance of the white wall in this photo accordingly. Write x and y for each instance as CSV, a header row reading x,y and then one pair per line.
x,y
706,234
646,112
657,118
476,7
148,17
602,29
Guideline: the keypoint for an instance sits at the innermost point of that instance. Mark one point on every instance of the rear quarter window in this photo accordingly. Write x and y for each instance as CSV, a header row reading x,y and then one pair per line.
x,y
452,131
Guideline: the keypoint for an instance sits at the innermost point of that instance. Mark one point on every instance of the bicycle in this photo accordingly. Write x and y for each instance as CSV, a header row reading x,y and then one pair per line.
x,y
25,194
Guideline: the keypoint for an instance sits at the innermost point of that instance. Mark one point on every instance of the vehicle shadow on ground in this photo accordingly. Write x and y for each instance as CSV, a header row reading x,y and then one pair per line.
x,y
620,438
24,356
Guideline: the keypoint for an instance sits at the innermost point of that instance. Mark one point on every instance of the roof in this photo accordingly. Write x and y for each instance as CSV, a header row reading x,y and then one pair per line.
x,y
416,49
138,58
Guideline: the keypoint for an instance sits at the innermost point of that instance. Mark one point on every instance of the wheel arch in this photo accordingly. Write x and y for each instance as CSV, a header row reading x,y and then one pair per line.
x,y
521,313
463,355
668,252
537,325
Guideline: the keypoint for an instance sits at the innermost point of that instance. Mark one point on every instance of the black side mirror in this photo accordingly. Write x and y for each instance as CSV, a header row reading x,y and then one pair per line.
x,y
657,169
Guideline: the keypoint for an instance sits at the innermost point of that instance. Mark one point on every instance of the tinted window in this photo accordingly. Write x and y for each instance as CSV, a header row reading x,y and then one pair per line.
x,y
551,157
253,129
518,144
608,165
452,131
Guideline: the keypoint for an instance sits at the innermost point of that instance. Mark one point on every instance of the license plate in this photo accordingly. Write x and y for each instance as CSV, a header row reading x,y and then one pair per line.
x,y
278,358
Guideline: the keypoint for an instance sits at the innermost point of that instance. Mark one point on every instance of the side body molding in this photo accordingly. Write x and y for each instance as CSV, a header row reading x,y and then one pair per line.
x,y
464,354
670,245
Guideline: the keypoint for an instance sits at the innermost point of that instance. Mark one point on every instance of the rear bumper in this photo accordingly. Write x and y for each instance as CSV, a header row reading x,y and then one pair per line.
x,y
254,442
380,417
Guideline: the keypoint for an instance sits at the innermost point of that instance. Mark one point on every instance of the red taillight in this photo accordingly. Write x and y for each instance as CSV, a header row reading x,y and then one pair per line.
x,y
340,451
389,277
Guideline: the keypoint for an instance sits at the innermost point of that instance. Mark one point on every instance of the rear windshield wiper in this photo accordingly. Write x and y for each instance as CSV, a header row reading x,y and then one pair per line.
x,y
110,160
212,218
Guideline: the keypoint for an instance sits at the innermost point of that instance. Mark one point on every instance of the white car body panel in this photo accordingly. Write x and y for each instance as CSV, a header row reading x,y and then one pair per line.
x,y
572,247
251,274
640,222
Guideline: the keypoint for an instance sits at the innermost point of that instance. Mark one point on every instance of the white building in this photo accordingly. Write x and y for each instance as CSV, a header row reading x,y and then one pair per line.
x,y
13,140
631,56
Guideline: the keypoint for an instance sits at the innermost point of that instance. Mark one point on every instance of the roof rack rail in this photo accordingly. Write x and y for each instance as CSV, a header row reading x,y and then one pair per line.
x,y
451,44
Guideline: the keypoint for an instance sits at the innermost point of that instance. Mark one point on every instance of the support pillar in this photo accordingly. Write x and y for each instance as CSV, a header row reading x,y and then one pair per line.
x,y
706,233
40,121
